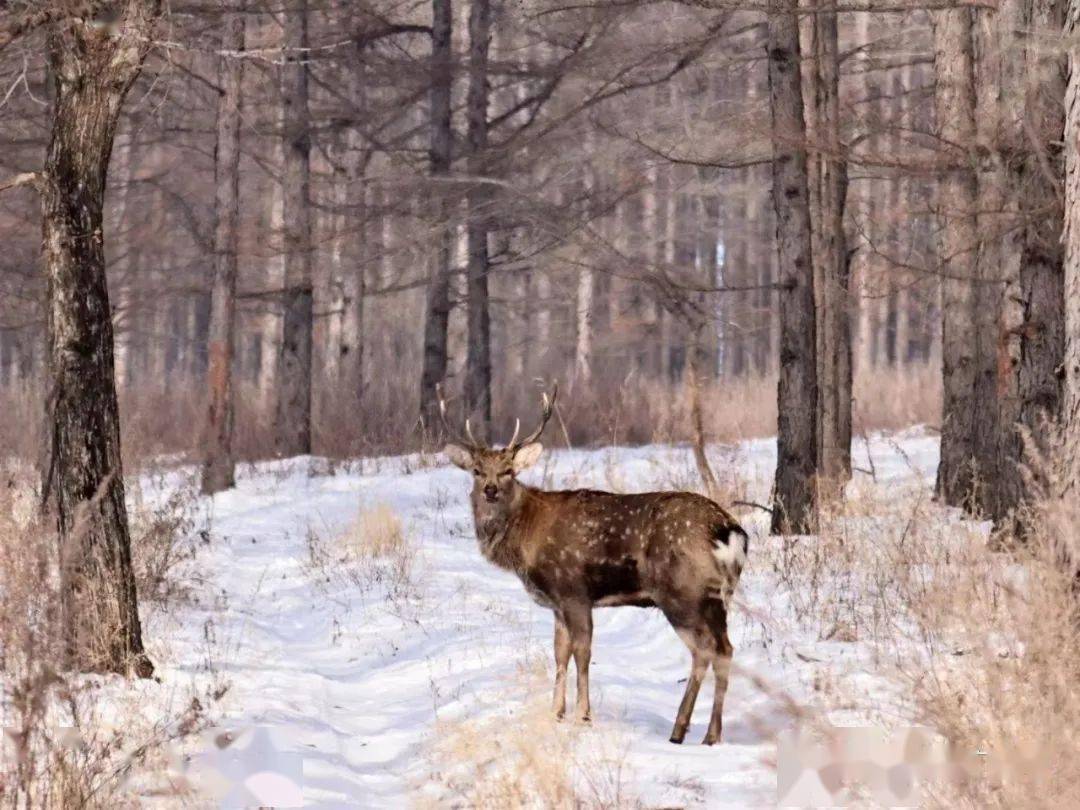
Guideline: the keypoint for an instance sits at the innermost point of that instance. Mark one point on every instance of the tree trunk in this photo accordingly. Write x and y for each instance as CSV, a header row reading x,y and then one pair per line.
x,y
293,428
794,493
968,328
831,262
1035,343
478,361
437,315
219,465
1071,365
92,69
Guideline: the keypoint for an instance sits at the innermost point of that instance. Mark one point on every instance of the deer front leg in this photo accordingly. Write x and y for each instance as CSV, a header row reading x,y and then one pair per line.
x,y
562,663
579,623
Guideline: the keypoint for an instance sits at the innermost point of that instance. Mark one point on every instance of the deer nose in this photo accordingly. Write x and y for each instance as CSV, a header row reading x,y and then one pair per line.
x,y
491,492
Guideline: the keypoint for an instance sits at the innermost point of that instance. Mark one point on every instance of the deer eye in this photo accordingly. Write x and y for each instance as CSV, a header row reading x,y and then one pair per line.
x,y
505,474
477,473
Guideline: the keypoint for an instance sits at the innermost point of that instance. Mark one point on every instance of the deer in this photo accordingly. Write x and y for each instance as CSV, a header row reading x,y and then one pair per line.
x,y
575,550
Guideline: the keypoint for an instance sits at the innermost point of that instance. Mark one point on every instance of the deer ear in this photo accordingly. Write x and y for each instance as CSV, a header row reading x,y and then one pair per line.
x,y
459,456
527,456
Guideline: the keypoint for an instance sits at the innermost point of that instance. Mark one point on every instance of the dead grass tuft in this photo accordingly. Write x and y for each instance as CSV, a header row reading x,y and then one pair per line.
x,y
522,757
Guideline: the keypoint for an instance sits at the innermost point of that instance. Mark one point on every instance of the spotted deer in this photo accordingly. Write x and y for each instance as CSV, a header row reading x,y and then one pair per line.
x,y
575,550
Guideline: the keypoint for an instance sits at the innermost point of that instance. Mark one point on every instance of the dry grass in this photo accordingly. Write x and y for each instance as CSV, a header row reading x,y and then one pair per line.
x,y
981,645
159,422
374,551
71,740
518,756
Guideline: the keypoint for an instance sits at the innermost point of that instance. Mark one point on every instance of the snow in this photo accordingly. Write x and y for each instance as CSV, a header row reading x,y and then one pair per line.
x,y
362,677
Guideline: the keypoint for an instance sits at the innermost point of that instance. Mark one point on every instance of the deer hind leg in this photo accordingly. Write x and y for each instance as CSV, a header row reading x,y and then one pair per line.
x,y
701,657
562,663
579,623
717,618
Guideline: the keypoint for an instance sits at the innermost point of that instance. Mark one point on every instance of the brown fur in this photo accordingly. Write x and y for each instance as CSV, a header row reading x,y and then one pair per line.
x,y
579,549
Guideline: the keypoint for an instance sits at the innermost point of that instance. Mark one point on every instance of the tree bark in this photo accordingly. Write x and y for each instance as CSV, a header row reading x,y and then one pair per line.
x,y
293,428
437,314
219,465
1033,342
92,67
831,262
969,333
1071,364
795,488
478,198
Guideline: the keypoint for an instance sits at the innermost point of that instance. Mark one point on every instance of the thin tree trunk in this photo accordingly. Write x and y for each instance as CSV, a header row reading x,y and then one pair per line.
x,y
831,262
1071,364
293,428
92,69
437,315
794,493
478,361
219,465
967,360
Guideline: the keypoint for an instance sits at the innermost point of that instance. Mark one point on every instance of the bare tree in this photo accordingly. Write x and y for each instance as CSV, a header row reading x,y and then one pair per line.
x,y
828,194
219,465
794,491
1033,343
293,426
93,64
437,308
478,198
968,329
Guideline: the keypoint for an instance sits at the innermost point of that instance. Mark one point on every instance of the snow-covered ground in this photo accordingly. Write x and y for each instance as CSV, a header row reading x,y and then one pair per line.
x,y
363,677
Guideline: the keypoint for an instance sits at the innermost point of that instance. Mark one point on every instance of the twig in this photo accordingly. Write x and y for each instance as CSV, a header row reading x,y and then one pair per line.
x,y
24,179
754,504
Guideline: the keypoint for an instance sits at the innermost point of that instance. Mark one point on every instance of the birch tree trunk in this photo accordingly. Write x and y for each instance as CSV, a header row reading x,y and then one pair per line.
x,y
968,329
478,361
795,488
293,427
437,307
92,66
219,465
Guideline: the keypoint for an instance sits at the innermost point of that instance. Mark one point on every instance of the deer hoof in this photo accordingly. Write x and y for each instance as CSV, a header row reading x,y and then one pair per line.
x,y
710,739
677,738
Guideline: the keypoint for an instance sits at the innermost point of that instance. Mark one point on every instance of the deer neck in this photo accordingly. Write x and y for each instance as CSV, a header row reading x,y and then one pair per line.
x,y
498,525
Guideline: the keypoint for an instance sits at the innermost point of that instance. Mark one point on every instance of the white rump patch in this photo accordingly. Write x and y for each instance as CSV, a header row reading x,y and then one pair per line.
x,y
733,553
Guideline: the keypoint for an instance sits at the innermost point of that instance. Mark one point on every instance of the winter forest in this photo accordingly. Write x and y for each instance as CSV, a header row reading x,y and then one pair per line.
x,y
264,259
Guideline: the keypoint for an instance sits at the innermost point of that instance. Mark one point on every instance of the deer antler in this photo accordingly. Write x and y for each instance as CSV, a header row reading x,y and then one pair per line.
x,y
548,404
468,440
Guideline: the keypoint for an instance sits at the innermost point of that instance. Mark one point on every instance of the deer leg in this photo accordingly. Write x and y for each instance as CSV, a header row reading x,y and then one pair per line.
x,y
721,664
721,668
562,662
698,668
579,622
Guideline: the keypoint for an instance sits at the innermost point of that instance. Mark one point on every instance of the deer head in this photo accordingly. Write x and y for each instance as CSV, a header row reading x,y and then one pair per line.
x,y
495,469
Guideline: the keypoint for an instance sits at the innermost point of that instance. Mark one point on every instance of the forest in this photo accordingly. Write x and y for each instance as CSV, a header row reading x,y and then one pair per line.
x,y
817,262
